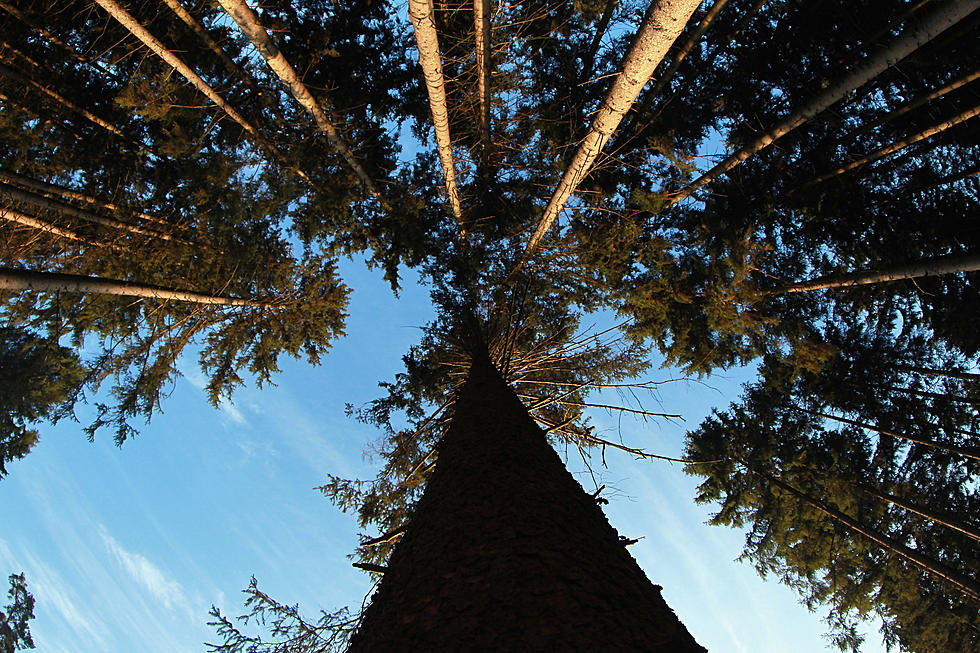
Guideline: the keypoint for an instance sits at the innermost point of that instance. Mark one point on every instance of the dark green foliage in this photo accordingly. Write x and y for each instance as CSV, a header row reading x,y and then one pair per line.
x,y
777,429
696,280
37,377
288,631
15,627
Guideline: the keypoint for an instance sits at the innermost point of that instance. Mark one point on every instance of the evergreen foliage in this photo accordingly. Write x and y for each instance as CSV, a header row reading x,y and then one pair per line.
x,y
15,627
696,266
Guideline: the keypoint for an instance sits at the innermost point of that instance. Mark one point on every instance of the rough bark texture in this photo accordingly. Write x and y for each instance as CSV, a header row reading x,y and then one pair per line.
x,y
506,551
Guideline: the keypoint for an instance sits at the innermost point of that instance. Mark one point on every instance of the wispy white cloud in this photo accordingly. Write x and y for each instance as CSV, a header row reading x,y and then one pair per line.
x,y
145,573
227,409
54,595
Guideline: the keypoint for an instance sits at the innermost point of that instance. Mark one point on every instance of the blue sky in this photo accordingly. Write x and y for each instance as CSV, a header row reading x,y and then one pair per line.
x,y
127,549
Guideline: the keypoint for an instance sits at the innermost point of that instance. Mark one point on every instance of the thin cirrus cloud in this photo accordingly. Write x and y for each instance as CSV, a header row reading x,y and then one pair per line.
x,y
165,590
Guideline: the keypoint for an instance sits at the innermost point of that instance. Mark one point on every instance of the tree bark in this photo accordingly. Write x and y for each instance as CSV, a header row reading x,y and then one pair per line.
x,y
962,582
18,280
67,193
916,103
10,215
422,16
936,23
968,452
15,75
481,29
685,50
189,20
128,21
934,267
946,520
51,205
250,25
506,551
938,128
662,24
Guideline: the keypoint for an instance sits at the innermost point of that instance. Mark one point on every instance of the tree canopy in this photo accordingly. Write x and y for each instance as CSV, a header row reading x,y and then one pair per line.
x,y
687,166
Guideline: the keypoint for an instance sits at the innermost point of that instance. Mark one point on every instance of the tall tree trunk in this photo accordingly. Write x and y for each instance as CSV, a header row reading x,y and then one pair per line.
x,y
968,452
960,581
934,267
17,280
52,190
685,50
946,520
15,75
936,23
134,27
10,215
189,20
952,374
75,54
484,50
662,24
250,25
928,132
506,552
914,104
423,20
52,205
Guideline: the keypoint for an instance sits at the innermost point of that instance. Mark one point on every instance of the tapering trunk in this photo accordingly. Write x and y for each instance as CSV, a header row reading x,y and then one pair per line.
x,y
939,266
250,25
968,452
681,55
949,521
19,280
64,209
880,153
916,103
952,374
10,215
423,20
134,27
481,29
506,551
52,190
662,24
936,23
189,20
15,75
960,581
51,38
